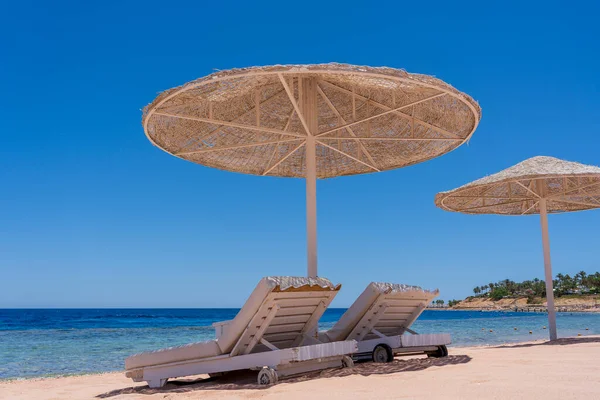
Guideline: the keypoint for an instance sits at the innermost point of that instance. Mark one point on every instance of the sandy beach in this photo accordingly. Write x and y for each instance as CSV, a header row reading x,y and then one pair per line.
x,y
566,369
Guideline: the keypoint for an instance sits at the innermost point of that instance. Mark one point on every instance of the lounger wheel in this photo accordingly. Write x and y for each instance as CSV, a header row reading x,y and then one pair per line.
x,y
267,376
347,362
445,349
442,351
382,353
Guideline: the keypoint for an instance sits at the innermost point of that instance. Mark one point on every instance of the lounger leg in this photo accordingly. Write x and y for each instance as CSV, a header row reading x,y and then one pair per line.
x,y
157,383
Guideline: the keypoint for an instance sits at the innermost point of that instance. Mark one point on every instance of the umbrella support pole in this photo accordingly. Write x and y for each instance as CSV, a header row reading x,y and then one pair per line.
x,y
311,209
548,270
308,105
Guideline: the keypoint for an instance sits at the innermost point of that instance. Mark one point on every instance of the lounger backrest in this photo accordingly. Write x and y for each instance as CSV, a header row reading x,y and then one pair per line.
x,y
388,308
280,310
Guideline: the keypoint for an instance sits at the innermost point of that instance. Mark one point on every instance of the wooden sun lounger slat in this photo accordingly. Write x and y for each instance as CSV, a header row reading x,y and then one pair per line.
x,y
395,322
284,328
300,295
395,316
398,318
391,302
302,302
398,309
295,311
291,319
276,337
387,329
399,306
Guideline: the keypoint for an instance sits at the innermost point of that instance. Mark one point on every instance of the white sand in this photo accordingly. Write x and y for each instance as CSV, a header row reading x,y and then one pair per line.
x,y
567,370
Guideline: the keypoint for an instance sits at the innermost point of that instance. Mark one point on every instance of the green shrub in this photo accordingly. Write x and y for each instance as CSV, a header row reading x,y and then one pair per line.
x,y
498,293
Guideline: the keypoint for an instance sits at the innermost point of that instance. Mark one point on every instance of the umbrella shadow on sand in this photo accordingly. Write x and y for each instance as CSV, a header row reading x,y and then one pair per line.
x,y
246,380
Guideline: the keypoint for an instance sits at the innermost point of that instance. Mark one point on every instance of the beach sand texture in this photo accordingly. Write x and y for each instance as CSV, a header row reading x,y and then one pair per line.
x,y
566,369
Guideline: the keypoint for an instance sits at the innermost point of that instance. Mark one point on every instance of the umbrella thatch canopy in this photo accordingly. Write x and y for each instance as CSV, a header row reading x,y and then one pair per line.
x,y
312,121
367,119
566,186
539,185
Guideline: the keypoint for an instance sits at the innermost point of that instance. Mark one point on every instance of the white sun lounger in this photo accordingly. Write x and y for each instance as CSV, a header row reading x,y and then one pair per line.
x,y
274,332
379,319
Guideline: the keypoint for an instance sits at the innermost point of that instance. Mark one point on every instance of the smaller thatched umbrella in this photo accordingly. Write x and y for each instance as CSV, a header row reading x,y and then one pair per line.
x,y
539,185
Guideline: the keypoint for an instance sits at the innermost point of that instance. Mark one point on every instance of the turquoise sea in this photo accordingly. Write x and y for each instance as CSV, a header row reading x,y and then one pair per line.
x,y
74,341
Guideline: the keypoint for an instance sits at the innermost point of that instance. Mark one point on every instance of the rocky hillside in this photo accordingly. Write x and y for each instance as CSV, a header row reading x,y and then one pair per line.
x,y
563,303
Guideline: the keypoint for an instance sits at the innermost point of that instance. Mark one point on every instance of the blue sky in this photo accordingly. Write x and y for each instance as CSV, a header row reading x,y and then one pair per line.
x,y
92,215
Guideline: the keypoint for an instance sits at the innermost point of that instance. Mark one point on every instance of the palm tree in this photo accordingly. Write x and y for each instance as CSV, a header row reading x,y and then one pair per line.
x,y
476,290
580,277
570,283
593,282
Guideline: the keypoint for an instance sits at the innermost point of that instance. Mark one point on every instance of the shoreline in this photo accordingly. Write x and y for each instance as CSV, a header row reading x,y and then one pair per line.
x,y
451,347
35,353
513,370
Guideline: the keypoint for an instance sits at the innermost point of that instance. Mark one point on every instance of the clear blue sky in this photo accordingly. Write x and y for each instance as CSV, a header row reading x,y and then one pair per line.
x,y
92,215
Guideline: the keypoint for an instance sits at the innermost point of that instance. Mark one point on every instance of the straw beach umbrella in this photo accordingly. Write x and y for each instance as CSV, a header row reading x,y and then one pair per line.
x,y
311,121
539,185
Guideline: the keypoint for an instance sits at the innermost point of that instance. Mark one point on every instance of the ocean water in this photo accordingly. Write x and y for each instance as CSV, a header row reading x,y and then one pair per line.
x,y
74,341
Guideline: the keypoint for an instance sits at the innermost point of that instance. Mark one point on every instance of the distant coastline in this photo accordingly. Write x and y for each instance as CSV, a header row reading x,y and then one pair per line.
x,y
579,293
567,303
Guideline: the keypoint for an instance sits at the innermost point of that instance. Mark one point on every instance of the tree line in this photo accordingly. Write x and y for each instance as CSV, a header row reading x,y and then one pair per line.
x,y
440,303
580,283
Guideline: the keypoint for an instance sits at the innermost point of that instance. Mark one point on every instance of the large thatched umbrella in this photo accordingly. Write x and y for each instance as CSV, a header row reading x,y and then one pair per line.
x,y
312,121
539,185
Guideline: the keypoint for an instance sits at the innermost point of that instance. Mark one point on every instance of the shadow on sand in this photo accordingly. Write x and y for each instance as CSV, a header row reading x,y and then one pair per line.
x,y
557,342
246,380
